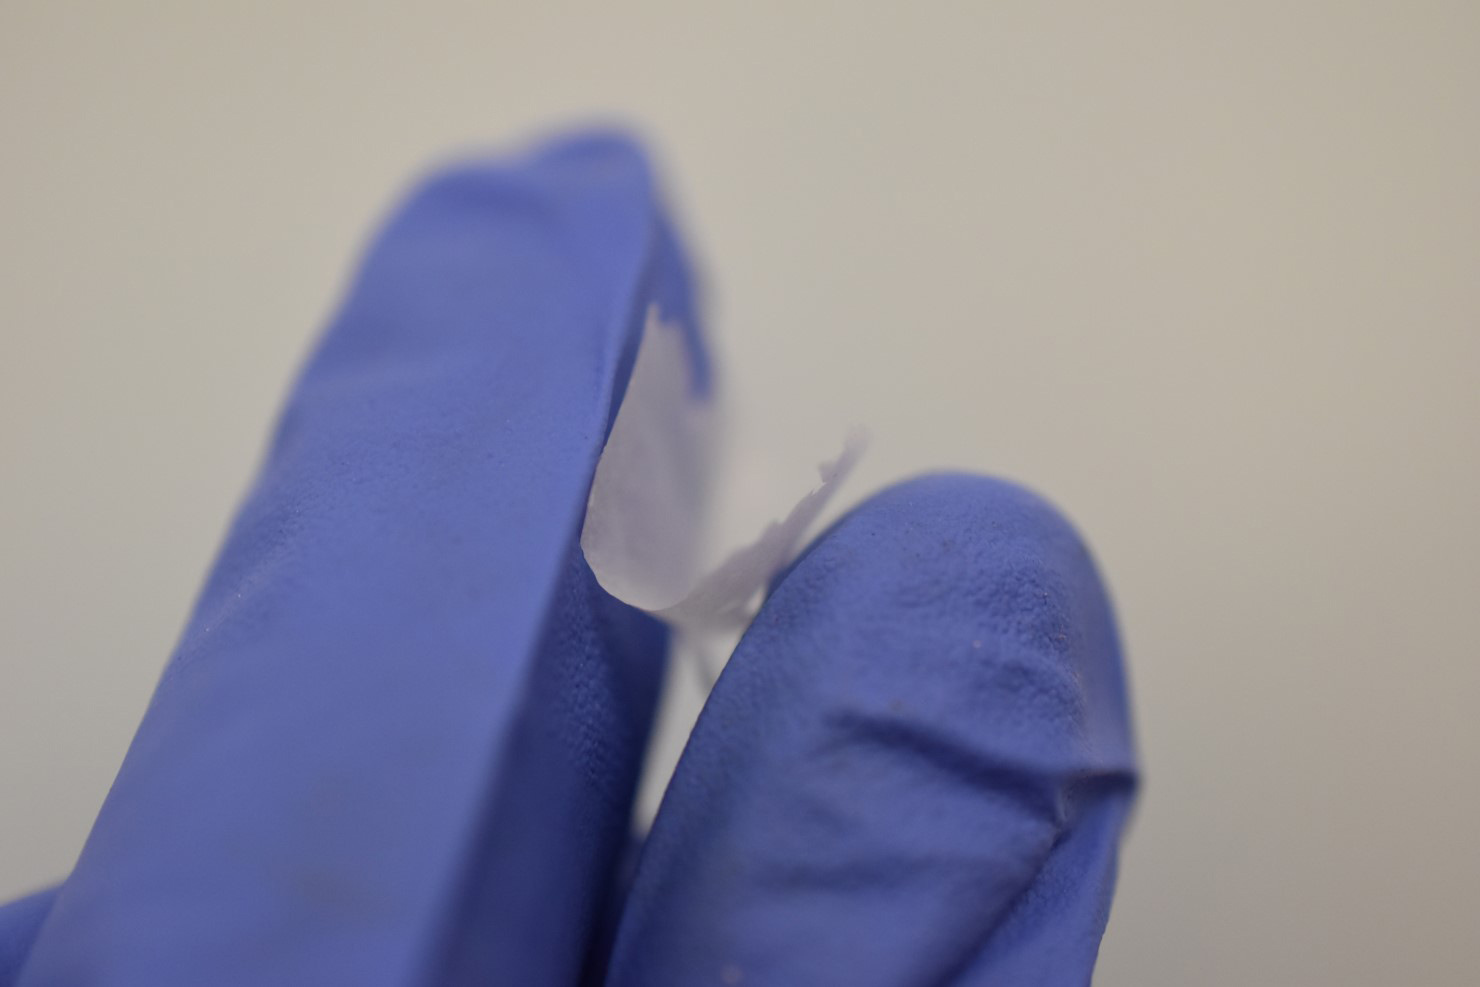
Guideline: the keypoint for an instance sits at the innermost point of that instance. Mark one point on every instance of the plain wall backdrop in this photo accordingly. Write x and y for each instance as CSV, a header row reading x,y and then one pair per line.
x,y
1207,275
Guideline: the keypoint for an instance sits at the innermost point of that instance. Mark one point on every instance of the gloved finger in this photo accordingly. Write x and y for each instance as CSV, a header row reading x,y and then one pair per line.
x,y
398,740
913,771
20,921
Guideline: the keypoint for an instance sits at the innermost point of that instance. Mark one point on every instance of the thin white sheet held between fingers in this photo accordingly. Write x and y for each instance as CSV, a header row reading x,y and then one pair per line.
x,y
647,509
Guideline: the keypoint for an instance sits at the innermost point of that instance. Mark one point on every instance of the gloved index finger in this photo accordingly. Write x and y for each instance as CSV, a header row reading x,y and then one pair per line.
x,y
346,718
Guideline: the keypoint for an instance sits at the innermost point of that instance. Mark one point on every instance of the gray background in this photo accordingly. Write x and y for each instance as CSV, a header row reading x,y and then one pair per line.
x,y
1206,274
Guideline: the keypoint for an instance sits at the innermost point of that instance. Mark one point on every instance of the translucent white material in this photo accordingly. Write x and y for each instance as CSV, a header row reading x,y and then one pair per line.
x,y
648,504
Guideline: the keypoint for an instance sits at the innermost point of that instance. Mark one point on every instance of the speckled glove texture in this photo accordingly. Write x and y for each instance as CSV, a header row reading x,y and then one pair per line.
x,y
398,742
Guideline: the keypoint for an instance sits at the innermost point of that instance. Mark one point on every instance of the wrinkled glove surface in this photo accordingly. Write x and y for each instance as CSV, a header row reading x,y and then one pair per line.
x,y
398,741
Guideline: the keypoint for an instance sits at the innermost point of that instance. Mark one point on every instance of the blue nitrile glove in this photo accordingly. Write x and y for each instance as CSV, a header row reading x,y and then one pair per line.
x,y
398,742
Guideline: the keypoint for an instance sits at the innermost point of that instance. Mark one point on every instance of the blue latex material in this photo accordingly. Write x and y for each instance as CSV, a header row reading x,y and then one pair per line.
x,y
20,921
398,741
914,770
